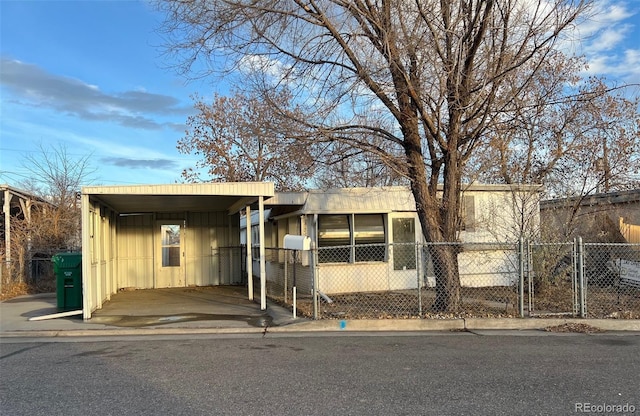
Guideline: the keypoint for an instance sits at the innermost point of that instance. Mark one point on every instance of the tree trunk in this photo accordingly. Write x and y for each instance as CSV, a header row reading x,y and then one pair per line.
x,y
445,264
438,222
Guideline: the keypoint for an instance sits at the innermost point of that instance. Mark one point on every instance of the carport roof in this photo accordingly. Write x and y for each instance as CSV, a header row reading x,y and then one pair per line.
x,y
228,196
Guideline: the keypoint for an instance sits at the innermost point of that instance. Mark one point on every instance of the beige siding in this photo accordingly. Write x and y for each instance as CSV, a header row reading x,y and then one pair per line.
x,y
207,243
135,252
361,277
216,258
208,236
120,226
98,256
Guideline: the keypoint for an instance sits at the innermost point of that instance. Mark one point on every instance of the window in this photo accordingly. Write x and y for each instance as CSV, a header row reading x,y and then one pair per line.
x,y
468,214
404,249
369,231
334,232
349,238
170,245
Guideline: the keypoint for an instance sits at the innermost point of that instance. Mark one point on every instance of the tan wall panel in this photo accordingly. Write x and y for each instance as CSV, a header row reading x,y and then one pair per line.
x,y
210,258
206,264
135,252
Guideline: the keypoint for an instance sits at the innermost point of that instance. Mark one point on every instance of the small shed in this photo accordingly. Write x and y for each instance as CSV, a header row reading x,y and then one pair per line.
x,y
161,236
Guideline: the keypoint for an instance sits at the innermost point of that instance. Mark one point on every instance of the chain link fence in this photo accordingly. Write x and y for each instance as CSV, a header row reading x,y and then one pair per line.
x,y
612,277
453,280
369,281
34,270
229,264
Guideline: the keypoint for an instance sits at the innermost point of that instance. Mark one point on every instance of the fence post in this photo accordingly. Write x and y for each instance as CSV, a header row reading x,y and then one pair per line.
x,y
314,280
286,264
521,276
529,271
418,252
581,278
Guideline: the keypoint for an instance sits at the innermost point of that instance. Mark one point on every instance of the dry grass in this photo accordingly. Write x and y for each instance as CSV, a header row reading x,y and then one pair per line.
x,y
491,302
404,304
574,327
13,289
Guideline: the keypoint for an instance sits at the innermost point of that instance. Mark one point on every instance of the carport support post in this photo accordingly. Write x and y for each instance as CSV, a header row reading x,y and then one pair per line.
x,y
263,267
249,255
87,300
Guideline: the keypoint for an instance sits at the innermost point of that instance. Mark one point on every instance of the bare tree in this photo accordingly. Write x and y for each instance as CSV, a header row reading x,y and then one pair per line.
x,y
240,138
575,136
439,73
56,175
345,166
47,219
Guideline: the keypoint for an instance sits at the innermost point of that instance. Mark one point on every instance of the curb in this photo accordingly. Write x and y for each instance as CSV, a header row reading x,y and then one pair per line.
x,y
373,325
542,323
365,325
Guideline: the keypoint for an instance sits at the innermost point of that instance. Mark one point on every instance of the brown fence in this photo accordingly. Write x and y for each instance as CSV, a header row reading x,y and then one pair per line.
x,y
630,232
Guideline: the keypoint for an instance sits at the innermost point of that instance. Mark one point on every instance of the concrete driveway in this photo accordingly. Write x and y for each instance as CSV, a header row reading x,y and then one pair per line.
x,y
192,307
213,305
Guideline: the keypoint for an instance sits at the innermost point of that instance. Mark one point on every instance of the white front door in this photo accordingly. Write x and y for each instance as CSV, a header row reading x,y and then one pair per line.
x,y
170,254
403,274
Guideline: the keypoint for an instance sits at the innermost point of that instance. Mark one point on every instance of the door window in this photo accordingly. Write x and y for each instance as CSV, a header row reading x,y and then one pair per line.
x,y
170,245
404,249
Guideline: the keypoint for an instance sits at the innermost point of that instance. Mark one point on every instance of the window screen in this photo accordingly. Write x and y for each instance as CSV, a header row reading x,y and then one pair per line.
x,y
369,231
334,232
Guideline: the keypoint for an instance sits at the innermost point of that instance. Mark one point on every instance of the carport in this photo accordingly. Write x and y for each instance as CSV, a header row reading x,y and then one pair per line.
x,y
163,236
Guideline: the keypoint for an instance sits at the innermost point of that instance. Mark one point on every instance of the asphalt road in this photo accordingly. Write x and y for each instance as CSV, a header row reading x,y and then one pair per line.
x,y
452,374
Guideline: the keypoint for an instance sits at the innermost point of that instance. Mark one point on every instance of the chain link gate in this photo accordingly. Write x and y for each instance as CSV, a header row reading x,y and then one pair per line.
x,y
551,279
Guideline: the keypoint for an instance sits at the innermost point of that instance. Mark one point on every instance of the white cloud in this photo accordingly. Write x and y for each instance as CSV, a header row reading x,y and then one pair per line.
x,y
31,85
262,64
606,38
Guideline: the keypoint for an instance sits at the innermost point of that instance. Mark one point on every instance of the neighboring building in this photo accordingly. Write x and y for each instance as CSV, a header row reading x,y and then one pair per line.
x,y
602,218
366,237
17,205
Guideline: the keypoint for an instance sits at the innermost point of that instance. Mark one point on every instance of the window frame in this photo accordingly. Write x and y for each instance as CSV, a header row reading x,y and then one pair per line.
x,y
404,252
349,250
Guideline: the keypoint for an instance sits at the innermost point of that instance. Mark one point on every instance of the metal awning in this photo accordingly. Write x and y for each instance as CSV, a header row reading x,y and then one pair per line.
x,y
230,197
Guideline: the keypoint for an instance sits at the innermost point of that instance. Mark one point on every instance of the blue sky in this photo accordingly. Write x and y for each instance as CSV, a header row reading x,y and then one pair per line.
x,y
89,75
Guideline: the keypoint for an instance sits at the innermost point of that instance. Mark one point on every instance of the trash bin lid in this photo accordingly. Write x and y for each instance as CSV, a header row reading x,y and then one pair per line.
x,y
67,260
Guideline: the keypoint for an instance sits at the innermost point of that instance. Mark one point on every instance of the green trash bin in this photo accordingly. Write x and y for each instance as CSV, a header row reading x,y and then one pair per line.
x,y
67,268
